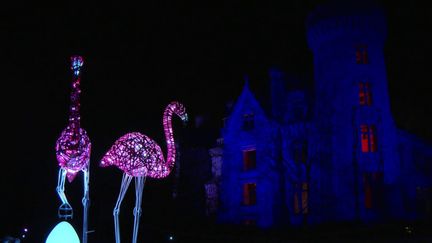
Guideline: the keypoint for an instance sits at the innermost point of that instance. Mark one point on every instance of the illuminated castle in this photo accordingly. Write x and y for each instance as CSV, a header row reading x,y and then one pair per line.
x,y
330,155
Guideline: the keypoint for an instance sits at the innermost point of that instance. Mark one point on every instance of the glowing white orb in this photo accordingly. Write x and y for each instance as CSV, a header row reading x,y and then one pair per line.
x,y
64,233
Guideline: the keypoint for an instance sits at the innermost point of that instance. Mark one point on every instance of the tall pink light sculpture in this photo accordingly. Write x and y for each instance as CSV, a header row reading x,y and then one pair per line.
x,y
139,156
73,151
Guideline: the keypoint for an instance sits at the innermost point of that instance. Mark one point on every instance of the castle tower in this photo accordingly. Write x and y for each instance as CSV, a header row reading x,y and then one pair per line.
x,y
356,132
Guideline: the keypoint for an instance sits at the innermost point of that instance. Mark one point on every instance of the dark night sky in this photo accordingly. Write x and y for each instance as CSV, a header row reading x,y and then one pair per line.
x,y
138,58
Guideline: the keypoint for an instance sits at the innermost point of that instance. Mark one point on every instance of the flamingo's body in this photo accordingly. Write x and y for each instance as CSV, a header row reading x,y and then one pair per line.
x,y
144,156
139,156
73,151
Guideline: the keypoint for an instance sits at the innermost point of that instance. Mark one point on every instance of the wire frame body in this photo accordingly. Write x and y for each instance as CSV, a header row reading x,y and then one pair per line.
x,y
73,154
138,155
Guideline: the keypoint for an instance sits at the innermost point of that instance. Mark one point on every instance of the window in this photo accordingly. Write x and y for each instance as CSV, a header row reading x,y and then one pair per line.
x,y
361,54
365,95
249,159
373,189
211,196
301,198
248,121
300,152
249,194
368,138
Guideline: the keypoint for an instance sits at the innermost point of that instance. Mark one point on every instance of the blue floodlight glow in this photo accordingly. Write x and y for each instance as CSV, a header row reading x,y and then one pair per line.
x,y
63,232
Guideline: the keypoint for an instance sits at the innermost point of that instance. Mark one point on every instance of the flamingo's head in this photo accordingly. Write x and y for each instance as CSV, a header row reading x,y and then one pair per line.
x,y
184,118
76,64
180,110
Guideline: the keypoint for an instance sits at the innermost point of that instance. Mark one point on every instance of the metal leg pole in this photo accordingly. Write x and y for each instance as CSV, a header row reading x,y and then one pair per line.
x,y
65,210
139,186
123,188
86,203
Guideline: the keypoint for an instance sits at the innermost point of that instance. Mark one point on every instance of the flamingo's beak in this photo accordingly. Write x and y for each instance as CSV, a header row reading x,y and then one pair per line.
x,y
185,119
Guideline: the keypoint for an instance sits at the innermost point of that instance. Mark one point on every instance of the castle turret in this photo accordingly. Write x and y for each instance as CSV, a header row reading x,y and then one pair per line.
x,y
352,110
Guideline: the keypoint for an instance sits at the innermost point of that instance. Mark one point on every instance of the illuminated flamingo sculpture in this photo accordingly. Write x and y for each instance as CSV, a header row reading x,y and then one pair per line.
x,y
73,151
139,156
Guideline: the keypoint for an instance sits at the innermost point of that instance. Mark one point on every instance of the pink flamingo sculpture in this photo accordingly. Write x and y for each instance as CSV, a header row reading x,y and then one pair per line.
x,y
73,151
139,156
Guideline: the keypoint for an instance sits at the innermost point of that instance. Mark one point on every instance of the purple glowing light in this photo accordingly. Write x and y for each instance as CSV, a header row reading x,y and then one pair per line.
x,y
138,155
73,146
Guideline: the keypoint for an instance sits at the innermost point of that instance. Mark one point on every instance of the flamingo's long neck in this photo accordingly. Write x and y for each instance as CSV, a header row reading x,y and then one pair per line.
x,y
74,114
167,116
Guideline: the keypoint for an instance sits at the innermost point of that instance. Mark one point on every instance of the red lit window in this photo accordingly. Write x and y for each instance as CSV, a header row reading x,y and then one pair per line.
x,y
373,189
249,194
249,159
368,138
365,95
301,198
362,54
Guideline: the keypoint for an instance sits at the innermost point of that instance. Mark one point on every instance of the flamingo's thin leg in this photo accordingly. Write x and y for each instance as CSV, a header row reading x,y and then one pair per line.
x,y
86,203
139,186
123,188
60,191
61,185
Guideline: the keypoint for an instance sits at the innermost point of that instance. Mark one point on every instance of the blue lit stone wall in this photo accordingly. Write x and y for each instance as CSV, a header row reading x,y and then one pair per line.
x,y
331,127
